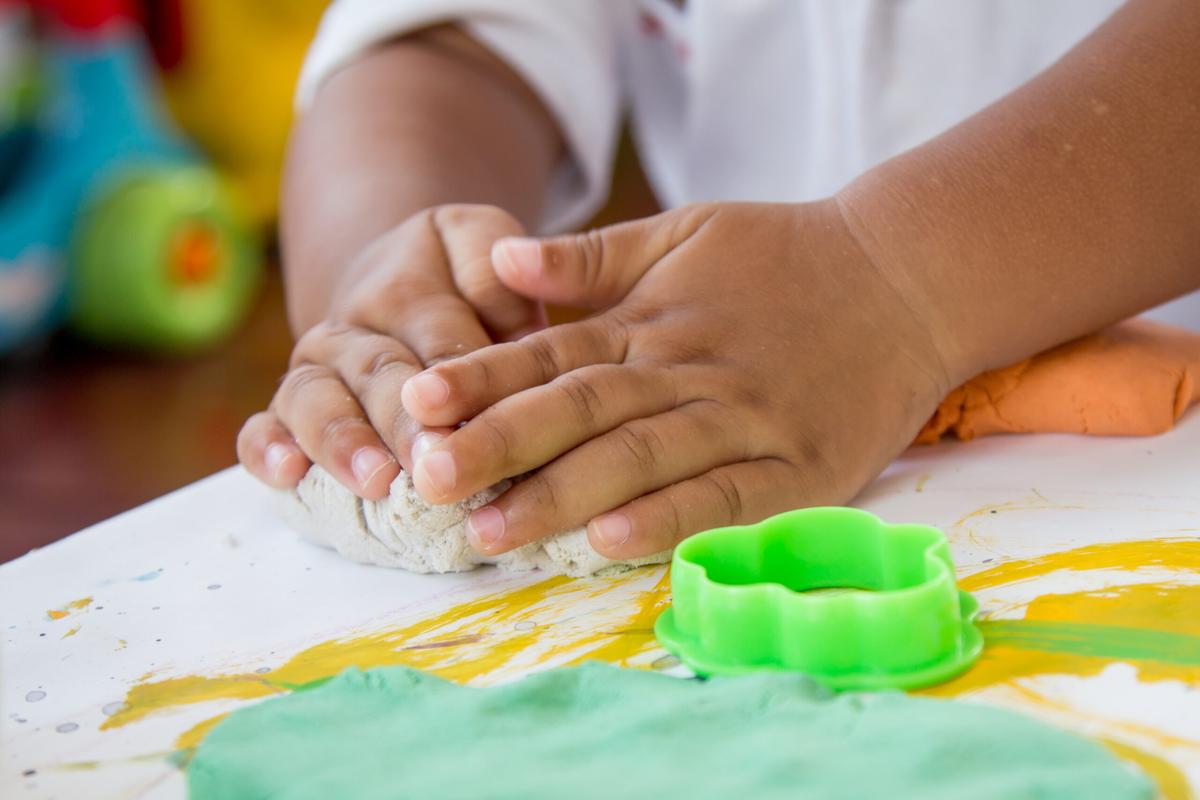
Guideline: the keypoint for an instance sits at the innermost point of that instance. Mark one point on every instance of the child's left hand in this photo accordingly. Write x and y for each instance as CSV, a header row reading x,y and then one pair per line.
x,y
747,359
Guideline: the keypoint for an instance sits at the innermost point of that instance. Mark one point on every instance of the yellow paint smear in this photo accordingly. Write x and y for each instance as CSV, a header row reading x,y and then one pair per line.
x,y
69,609
1172,783
195,734
1160,738
1153,606
479,640
1157,606
1182,554
1170,607
1164,606
71,632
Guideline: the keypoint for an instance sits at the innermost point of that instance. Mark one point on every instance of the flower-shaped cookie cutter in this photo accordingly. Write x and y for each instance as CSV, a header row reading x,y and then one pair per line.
x,y
832,592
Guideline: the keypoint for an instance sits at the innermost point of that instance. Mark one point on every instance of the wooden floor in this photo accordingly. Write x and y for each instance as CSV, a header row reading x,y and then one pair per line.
x,y
87,433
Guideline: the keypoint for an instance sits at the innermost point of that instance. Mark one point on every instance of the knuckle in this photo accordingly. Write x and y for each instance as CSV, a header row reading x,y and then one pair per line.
x,y
484,373
301,378
541,349
591,255
383,362
726,495
426,219
544,493
452,214
673,522
581,396
500,439
309,345
443,352
718,419
640,441
336,427
477,281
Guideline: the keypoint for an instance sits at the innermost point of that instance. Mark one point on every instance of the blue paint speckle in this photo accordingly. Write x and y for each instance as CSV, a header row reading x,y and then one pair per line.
x,y
149,576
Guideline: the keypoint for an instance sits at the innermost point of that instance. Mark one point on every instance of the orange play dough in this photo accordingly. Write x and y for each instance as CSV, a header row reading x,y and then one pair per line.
x,y
1135,378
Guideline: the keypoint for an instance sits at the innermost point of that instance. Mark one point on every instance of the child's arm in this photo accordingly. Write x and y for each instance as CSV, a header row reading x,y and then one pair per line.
x,y
382,277
751,359
1069,204
430,119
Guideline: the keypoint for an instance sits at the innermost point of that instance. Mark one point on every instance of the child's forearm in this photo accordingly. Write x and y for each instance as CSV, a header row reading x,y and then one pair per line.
x,y
429,119
1071,203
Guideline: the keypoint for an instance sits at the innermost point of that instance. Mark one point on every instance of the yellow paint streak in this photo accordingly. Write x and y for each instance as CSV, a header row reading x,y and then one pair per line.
x,y
1159,606
1161,739
71,632
195,734
1182,554
1163,606
477,641
1038,502
121,644
69,609
146,698
1006,664
921,481
1156,606
1172,783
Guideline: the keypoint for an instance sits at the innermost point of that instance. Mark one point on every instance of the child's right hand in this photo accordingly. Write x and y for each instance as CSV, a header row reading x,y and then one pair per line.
x,y
421,293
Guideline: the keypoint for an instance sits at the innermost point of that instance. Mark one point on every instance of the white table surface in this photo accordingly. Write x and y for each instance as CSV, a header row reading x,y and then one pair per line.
x,y
202,601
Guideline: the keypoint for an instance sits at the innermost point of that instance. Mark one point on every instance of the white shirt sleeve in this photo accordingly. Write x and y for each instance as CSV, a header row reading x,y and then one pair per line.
x,y
566,50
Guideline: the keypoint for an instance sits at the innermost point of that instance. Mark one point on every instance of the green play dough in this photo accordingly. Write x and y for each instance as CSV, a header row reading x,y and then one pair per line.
x,y
598,731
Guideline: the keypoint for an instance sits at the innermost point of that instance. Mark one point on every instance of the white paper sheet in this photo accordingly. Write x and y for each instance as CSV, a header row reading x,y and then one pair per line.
x,y
207,582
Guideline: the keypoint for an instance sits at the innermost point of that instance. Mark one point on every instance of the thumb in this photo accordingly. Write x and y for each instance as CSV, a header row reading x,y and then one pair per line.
x,y
595,269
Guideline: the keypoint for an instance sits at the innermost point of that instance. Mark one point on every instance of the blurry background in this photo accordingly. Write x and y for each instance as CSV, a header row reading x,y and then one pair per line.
x,y
141,308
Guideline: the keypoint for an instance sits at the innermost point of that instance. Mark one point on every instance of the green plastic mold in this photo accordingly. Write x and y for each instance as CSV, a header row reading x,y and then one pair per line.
x,y
832,592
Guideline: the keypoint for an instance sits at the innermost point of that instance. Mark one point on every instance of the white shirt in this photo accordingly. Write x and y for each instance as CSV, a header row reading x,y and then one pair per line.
x,y
769,100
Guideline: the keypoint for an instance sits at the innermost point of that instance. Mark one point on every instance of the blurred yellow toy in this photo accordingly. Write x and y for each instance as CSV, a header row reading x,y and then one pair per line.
x,y
229,69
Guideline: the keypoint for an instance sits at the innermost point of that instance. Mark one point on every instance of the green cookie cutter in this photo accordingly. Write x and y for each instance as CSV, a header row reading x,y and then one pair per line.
x,y
891,615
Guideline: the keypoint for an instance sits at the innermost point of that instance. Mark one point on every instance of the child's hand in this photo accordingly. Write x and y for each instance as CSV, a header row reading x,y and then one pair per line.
x,y
420,294
749,359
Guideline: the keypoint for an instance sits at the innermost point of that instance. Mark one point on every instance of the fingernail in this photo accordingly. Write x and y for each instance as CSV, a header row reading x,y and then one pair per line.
x,y
423,443
366,462
276,455
439,471
522,256
430,389
611,530
486,525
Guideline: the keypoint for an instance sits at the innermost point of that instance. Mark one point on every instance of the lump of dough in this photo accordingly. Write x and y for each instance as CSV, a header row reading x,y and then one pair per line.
x,y
595,732
1135,378
405,532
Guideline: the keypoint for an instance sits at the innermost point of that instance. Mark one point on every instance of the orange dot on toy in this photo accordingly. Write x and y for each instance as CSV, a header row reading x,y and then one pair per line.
x,y
195,254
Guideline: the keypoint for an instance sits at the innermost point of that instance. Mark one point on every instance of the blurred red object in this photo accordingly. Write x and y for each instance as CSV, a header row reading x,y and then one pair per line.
x,y
86,15
164,27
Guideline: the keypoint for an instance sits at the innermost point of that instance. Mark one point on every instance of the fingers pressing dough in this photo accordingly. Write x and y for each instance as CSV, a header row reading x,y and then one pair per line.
x,y
405,532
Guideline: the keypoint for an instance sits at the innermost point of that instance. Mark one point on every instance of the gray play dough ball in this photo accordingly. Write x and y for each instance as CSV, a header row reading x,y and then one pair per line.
x,y
405,532
598,731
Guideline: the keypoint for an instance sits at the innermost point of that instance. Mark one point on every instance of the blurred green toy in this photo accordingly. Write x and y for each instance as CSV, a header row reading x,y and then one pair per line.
x,y
107,216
